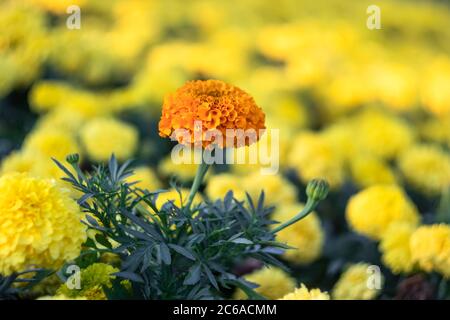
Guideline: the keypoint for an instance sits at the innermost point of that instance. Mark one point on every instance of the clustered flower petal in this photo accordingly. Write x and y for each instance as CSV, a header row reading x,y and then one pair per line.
x,y
39,224
217,106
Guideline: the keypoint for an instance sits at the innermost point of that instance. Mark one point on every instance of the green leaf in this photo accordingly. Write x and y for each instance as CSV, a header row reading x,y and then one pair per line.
x,y
165,253
242,241
193,275
182,251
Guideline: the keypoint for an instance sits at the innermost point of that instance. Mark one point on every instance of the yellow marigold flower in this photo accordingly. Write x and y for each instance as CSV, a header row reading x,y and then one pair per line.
x,y
436,81
16,162
39,224
395,248
273,283
340,135
35,165
287,112
313,156
430,248
368,170
395,85
61,119
426,167
381,134
276,188
51,143
436,130
104,136
306,236
372,210
48,95
178,198
219,185
92,281
216,104
146,179
303,293
354,284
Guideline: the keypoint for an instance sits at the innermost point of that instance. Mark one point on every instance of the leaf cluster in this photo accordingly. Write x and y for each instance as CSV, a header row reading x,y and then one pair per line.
x,y
172,252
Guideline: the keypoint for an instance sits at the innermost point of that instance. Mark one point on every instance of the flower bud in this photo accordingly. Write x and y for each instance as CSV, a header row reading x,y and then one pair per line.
x,y
73,158
317,189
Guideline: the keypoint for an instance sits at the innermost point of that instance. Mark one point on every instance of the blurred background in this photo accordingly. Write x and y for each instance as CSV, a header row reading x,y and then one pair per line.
x,y
358,107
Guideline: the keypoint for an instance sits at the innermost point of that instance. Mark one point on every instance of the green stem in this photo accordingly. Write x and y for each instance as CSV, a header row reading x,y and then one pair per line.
x,y
199,176
309,207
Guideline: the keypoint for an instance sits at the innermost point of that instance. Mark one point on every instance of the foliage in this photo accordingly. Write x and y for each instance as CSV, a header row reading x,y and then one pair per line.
x,y
172,252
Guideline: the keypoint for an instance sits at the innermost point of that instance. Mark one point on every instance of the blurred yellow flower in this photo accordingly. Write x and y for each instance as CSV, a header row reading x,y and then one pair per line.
x,y
276,188
273,283
104,136
395,248
372,210
436,130
354,284
51,143
306,236
60,119
303,293
146,179
426,167
430,248
312,156
381,134
435,92
368,170
219,185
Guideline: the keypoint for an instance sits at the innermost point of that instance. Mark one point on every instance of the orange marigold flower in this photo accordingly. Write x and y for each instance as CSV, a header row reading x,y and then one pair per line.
x,y
202,106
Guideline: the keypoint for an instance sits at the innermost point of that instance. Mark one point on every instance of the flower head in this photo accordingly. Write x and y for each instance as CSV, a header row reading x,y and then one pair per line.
x,y
430,248
39,224
104,136
396,249
372,210
51,143
427,168
303,293
353,284
273,283
215,105
93,279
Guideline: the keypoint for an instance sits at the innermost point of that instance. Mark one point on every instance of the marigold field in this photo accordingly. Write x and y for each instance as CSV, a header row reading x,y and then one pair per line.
x,y
93,205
